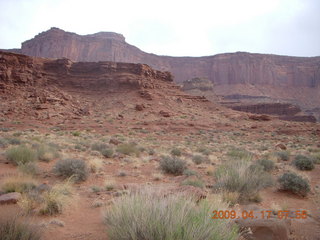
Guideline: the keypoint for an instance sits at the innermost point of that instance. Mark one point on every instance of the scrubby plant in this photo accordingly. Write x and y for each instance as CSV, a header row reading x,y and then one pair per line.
x,y
3,142
29,168
107,152
99,146
267,165
128,149
316,158
172,165
95,165
242,177
204,151
75,168
190,172
18,183
55,199
194,182
147,215
294,183
198,159
21,155
302,162
176,152
46,152
239,153
13,229
283,155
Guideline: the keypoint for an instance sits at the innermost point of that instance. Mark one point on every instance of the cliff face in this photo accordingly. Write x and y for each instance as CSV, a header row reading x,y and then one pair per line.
x,y
290,79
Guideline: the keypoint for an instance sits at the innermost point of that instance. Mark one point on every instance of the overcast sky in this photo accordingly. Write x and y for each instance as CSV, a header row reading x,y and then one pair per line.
x,y
174,27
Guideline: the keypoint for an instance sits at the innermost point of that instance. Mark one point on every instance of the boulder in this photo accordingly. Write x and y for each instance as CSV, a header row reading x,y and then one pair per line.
x,y
10,198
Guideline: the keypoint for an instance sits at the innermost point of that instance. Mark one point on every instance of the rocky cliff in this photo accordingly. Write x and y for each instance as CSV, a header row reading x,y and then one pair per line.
x,y
294,80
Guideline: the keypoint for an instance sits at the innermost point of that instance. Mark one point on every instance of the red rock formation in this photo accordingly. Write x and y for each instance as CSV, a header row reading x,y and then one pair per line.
x,y
290,79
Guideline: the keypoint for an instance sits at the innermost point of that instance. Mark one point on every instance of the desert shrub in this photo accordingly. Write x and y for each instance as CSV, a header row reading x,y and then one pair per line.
x,y
189,172
75,168
3,142
303,162
29,168
128,149
283,155
172,165
240,176
176,152
151,152
99,146
13,229
239,153
194,182
95,165
294,183
316,158
46,152
267,165
204,151
146,215
13,141
107,152
21,155
198,159
18,184
55,199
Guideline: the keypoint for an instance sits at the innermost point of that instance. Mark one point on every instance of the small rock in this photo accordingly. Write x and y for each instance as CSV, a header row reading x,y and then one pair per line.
x,y
164,114
281,146
10,198
139,107
114,141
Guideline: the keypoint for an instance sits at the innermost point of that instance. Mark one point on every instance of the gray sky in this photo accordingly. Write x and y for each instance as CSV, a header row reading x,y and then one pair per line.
x,y
174,27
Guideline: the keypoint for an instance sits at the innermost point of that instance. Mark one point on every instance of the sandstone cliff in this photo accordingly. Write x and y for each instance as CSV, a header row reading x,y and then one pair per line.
x,y
294,80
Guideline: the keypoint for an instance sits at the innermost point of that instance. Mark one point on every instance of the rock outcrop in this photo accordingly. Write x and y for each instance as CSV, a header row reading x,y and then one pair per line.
x,y
294,80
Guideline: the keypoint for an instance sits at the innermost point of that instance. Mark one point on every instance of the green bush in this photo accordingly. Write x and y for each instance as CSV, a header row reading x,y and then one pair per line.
x,y
172,165
176,152
12,229
303,162
294,183
128,149
267,165
99,146
283,155
107,152
194,182
147,215
239,153
242,177
29,168
46,152
76,168
198,159
21,155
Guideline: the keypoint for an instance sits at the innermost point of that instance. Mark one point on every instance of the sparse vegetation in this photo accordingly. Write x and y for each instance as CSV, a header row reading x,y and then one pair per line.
x,y
146,215
46,152
194,182
19,183
75,168
267,165
176,152
283,155
302,162
29,168
107,152
172,165
294,183
128,149
198,159
21,155
13,229
239,176
239,153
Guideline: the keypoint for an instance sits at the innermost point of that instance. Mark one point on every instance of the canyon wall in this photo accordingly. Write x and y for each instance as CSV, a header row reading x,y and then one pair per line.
x,y
295,80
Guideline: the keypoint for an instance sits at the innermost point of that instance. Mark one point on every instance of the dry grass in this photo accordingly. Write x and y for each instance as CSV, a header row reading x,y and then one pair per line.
x,y
147,215
19,183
